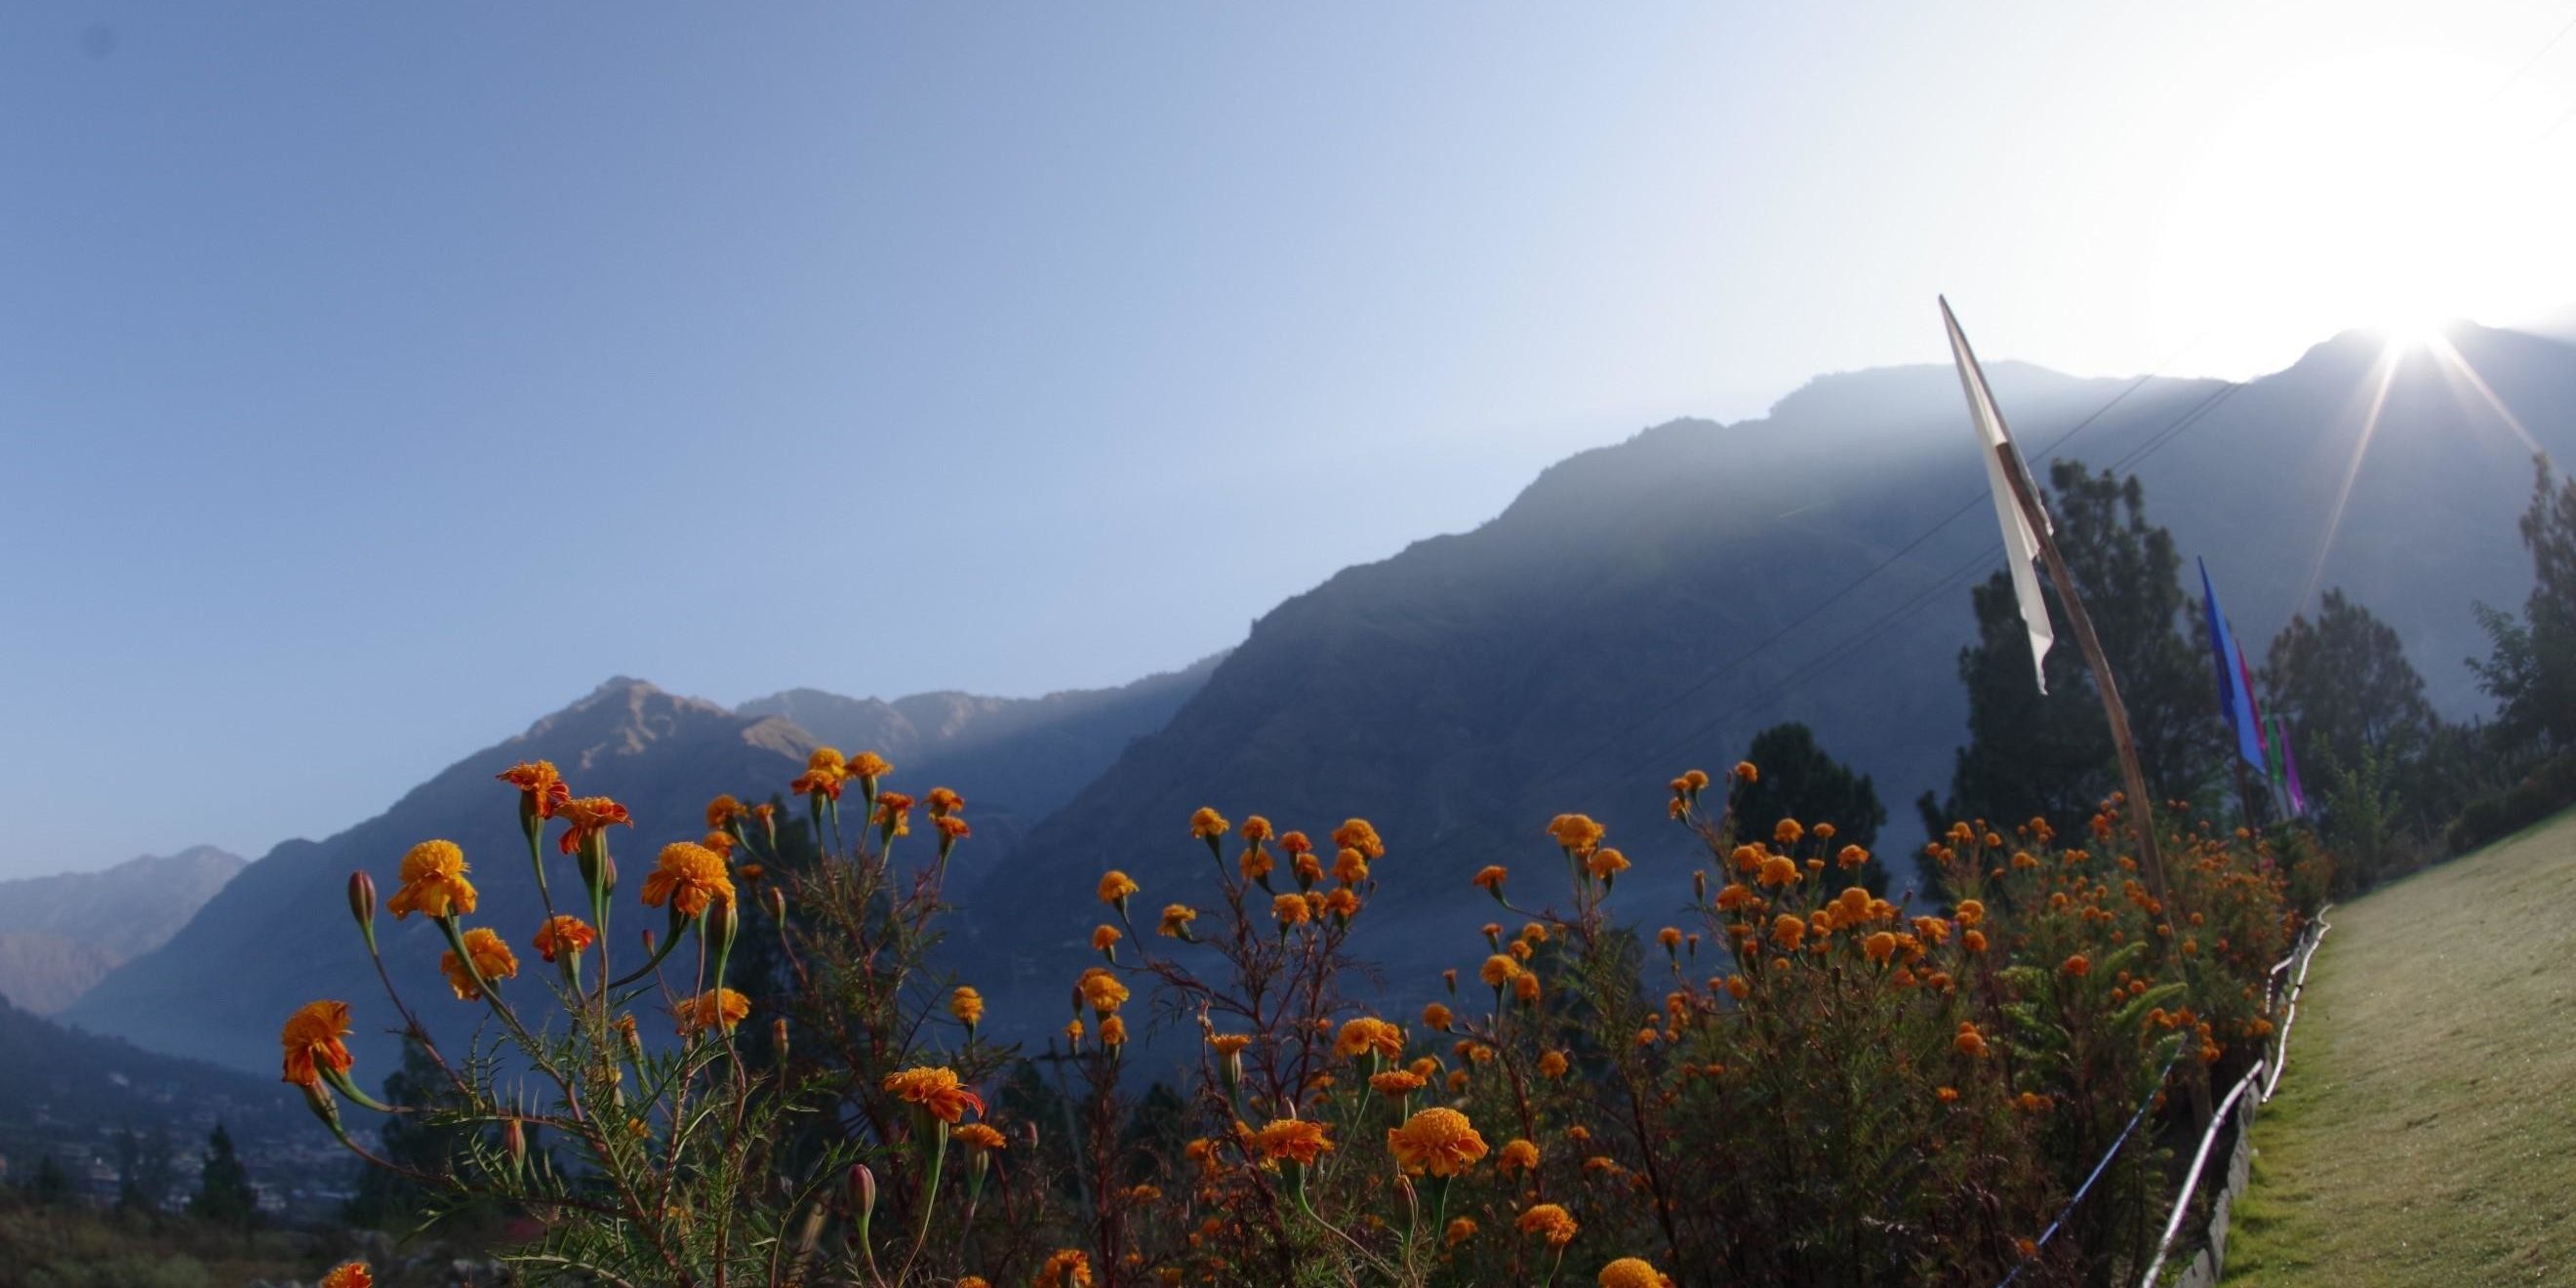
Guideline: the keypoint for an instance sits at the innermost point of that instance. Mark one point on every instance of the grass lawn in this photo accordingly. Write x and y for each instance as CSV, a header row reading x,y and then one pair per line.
x,y
2426,1130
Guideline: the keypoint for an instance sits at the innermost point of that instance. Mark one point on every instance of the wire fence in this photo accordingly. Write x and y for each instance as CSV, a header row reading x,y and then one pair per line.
x,y
2237,1109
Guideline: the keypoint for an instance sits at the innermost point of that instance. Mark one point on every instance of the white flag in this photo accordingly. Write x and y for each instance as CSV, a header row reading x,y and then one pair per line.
x,y
2021,548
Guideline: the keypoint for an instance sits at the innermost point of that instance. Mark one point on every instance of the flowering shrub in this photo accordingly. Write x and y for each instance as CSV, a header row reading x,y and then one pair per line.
x,y
1793,1081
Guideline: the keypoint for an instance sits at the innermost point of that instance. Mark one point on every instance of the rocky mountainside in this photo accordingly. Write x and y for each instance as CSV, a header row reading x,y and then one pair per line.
x,y
60,934
1649,606
1023,757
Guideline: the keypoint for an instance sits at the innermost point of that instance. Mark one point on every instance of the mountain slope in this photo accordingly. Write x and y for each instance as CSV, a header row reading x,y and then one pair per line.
x,y
60,934
1021,756
280,935
1649,606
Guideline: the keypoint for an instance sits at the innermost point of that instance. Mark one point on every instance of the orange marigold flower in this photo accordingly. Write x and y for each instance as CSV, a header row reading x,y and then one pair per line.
x,y
1342,903
1102,991
688,877
1788,831
1694,779
936,1090
491,957
967,1005
827,760
541,788
1460,1230
1291,910
1852,856
1779,870
943,802
980,1136
1498,970
1947,1095
717,1008
1113,1032
1438,1140
1632,1272
1552,1064
1309,869
1970,1042
1295,843
720,842
1879,947
867,764
723,810
1207,824
1104,938
1974,941
1368,1034
1356,834
590,816
1971,912
433,882
1670,937
1229,1044
563,934
349,1274
951,828
1299,1140
1256,863
1069,1268
1788,932
1745,771
821,782
2077,966
1256,829
1396,1083
1605,863
893,813
1176,920
1575,832
1350,867
1115,887
1548,1221
1517,1156
311,1038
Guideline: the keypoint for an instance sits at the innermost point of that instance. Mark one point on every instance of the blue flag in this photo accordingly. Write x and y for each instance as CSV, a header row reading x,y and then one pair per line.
x,y
2232,697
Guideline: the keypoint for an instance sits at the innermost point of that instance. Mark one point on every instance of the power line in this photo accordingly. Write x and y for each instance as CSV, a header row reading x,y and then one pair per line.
x,y
1872,631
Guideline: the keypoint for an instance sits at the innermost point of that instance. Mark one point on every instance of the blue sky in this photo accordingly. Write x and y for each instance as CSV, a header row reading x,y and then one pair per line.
x,y
376,379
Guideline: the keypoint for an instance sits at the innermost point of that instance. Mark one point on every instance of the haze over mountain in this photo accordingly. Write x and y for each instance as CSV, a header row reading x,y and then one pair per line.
x,y
281,936
1639,609
1644,608
1027,755
60,934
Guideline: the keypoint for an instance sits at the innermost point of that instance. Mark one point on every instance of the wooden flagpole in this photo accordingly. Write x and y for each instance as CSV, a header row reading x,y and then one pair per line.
x,y
2142,807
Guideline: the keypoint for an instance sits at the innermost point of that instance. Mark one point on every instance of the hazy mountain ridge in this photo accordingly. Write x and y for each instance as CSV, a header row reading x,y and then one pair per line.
x,y
280,935
61,934
1464,691
1024,755
1558,657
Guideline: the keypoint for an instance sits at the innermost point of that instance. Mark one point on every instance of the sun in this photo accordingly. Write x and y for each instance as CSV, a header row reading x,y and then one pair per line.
x,y
2397,191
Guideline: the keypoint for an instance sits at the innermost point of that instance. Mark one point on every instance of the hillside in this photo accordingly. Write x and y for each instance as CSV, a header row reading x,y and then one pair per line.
x,y
2426,1087
1020,756
1644,607
279,935
281,932
60,934
71,1094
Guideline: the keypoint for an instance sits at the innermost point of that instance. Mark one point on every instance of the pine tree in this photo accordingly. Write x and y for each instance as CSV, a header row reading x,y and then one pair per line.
x,y
2051,756
224,1193
385,1199
1800,781
2344,686
2531,671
